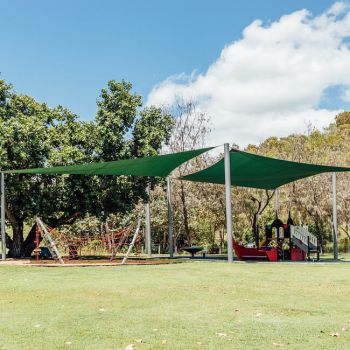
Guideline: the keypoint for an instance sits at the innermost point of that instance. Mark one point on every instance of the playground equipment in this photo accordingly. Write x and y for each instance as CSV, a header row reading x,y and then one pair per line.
x,y
282,242
193,250
112,242
50,243
247,170
132,244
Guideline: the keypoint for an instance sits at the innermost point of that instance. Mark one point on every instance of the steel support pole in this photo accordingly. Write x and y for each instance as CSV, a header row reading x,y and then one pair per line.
x,y
2,215
170,218
148,223
335,219
276,202
228,202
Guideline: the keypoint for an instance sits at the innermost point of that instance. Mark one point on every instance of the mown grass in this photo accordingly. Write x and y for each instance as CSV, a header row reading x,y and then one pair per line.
x,y
342,256
183,306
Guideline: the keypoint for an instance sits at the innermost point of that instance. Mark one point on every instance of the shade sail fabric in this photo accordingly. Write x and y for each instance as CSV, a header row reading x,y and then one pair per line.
x,y
252,170
161,165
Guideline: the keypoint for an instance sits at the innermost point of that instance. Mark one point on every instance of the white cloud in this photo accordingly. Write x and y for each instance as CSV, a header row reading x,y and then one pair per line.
x,y
346,95
272,80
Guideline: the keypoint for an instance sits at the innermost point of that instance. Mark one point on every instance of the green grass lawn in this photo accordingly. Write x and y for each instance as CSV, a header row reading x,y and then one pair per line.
x,y
342,256
182,306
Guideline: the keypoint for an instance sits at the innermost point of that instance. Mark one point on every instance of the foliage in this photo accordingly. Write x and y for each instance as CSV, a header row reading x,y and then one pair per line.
x,y
35,135
309,201
343,118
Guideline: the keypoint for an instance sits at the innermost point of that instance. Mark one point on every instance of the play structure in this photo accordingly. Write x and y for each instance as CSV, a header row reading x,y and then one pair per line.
x,y
50,242
236,168
193,250
282,242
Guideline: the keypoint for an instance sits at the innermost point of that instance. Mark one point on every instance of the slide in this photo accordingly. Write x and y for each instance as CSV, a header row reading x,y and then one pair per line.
x,y
244,253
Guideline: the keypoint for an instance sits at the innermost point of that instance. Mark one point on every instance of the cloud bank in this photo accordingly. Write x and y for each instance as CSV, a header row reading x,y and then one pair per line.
x,y
271,82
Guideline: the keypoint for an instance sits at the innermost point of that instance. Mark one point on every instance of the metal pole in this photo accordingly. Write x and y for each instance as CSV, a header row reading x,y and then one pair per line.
x,y
148,223
276,202
335,220
170,218
2,214
228,202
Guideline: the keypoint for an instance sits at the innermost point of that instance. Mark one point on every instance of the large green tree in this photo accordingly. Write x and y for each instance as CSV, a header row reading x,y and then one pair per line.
x,y
35,135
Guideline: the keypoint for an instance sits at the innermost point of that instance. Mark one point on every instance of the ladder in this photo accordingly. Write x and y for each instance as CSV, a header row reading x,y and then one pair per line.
x,y
51,245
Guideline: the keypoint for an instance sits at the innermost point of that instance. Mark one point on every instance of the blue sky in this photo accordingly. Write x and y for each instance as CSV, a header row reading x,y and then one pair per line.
x,y
64,52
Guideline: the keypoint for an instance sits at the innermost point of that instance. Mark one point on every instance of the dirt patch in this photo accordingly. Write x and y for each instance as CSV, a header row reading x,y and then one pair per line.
x,y
15,262
100,262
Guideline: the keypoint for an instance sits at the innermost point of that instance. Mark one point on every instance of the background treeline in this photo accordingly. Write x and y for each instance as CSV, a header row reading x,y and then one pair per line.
x,y
200,209
32,134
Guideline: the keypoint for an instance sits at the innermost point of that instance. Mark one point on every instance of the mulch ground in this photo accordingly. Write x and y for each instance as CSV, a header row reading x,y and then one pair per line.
x,y
88,262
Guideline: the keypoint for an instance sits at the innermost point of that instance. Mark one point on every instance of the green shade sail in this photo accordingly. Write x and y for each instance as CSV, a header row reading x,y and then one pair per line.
x,y
252,170
161,165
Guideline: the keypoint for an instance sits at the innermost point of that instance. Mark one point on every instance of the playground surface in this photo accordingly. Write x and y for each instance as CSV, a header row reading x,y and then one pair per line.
x,y
92,261
177,306
143,259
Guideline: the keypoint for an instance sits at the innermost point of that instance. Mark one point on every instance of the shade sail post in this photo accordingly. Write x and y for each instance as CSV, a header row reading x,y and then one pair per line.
x,y
2,216
335,219
276,202
148,222
228,201
170,218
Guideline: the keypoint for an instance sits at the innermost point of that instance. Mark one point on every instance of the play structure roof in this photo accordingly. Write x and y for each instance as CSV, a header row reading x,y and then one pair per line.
x,y
252,170
161,165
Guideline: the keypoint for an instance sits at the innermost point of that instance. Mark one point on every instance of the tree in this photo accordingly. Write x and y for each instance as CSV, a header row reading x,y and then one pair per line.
x,y
191,128
34,135
343,118
124,133
255,203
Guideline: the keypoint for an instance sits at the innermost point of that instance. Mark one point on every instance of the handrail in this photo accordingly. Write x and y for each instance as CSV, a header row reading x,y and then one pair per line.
x,y
303,234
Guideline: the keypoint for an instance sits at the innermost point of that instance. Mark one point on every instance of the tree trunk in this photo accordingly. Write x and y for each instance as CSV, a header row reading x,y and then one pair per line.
x,y
255,229
222,239
29,244
165,241
17,240
185,215
9,244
